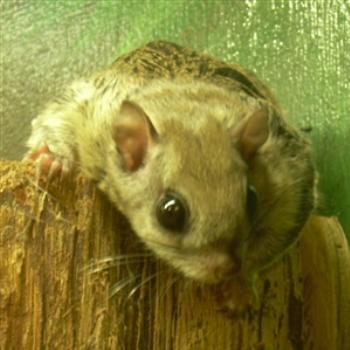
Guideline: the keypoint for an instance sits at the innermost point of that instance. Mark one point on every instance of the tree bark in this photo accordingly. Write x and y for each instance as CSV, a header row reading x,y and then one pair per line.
x,y
58,269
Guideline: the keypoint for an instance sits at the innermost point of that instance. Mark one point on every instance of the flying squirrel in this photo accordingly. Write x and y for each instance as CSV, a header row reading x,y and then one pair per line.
x,y
195,153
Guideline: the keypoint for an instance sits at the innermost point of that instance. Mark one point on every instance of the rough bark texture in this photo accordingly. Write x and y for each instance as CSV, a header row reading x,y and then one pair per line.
x,y
52,297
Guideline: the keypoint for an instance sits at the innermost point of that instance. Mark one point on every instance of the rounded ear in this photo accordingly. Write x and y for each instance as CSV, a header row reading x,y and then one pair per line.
x,y
133,134
252,133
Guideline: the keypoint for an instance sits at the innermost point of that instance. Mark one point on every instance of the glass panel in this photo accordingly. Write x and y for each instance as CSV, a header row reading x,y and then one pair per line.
x,y
300,48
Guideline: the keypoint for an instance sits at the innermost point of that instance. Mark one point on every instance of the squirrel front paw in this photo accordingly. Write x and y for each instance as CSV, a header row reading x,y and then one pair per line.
x,y
48,163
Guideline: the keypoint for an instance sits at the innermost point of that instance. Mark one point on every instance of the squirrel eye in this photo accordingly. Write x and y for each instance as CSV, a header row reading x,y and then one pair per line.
x,y
171,212
252,201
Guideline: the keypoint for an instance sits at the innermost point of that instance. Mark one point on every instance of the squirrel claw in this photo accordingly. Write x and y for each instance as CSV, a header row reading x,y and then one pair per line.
x,y
47,163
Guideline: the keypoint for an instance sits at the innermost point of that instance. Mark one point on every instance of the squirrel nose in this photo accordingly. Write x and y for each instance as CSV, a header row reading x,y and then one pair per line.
x,y
227,263
220,266
227,270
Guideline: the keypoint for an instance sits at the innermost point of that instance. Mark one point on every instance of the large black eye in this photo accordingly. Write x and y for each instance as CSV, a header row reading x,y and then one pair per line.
x,y
171,212
252,201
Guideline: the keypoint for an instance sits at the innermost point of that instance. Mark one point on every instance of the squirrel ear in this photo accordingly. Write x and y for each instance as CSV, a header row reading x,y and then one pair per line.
x,y
252,133
133,134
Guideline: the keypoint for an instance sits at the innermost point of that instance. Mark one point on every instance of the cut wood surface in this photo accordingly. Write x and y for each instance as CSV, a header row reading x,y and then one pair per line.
x,y
64,250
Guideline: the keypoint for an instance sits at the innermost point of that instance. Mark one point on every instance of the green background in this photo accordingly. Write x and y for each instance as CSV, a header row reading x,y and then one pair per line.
x,y
300,48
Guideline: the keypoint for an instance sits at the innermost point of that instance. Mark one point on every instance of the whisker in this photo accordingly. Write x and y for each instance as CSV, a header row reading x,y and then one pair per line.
x,y
103,268
53,198
40,188
36,219
113,261
148,279
117,287
169,285
119,257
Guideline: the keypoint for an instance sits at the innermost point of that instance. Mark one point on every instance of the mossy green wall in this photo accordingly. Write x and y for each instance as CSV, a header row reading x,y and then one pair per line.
x,y
300,48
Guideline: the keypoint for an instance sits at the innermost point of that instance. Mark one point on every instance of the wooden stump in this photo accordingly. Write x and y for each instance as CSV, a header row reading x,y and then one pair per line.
x,y
62,255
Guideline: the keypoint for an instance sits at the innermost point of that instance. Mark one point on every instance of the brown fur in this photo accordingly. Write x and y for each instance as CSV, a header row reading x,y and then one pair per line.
x,y
194,103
